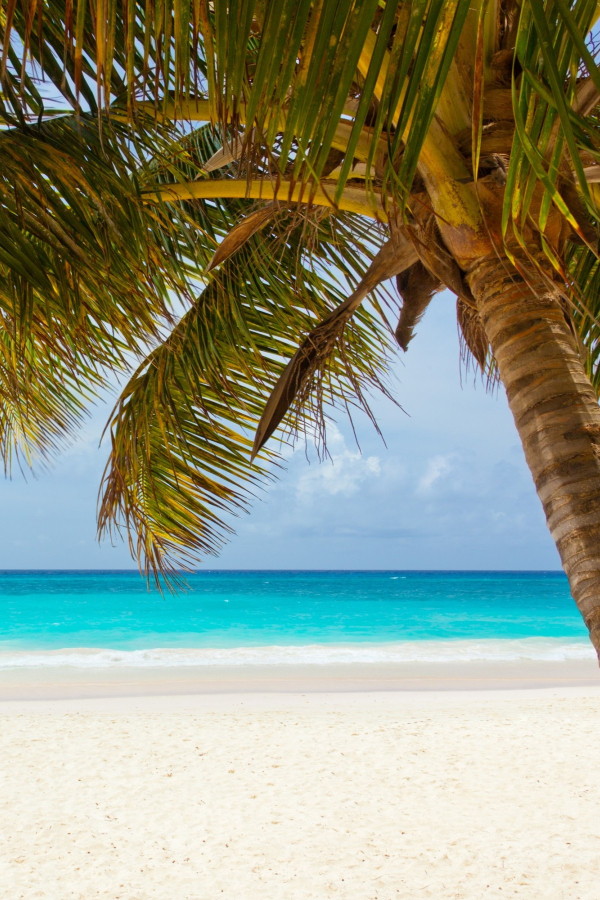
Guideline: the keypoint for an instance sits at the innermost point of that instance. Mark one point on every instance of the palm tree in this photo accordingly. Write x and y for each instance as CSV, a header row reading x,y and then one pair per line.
x,y
261,156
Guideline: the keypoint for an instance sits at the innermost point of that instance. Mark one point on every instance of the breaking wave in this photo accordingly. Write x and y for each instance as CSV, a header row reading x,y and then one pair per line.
x,y
541,649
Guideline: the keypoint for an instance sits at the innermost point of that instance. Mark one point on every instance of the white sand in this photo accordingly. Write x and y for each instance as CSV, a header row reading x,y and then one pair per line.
x,y
397,795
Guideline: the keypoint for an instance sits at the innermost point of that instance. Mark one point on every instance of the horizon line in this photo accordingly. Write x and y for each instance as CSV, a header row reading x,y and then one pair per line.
x,y
185,572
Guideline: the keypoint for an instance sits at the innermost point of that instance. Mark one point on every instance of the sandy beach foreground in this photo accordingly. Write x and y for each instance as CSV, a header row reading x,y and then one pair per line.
x,y
355,794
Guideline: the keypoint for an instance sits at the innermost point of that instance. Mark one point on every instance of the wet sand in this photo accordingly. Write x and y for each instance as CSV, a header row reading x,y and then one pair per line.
x,y
63,683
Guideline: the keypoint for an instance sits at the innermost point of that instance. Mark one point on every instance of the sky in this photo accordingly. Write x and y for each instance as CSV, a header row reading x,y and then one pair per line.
x,y
449,488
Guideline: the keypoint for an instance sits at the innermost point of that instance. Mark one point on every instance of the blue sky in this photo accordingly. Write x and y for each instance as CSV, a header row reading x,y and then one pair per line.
x,y
451,489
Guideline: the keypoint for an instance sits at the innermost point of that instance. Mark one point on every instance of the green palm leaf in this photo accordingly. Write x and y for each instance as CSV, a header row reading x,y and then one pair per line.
x,y
182,430
87,269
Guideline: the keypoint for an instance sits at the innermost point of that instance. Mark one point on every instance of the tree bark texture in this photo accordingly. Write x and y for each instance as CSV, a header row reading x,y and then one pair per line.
x,y
556,414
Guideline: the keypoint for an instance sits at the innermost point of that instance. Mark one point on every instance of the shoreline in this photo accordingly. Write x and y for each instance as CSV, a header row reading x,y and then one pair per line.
x,y
373,703
71,683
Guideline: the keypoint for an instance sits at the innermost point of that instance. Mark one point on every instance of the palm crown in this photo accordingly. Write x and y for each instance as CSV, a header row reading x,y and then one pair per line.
x,y
271,163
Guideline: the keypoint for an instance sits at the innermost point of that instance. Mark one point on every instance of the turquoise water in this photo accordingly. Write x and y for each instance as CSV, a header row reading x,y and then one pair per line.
x,y
252,616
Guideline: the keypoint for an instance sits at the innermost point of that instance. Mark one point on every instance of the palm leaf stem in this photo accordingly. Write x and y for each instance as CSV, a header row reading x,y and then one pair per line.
x,y
353,199
396,255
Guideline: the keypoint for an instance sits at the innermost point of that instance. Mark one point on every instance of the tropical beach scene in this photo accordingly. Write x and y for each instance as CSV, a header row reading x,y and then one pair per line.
x,y
299,380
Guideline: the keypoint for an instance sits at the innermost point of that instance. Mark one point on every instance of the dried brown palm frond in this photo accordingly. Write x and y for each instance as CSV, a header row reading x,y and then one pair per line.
x,y
242,232
417,286
436,259
296,382
474,341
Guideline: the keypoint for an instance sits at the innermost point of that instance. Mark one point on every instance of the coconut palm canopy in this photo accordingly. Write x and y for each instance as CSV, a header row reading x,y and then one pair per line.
x,y
271,164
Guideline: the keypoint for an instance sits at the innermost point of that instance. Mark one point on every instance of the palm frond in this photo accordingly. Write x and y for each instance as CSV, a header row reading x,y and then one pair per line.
x,y
42,401
182,432
584,270
87,269
416,285
472,125
551,134
296,382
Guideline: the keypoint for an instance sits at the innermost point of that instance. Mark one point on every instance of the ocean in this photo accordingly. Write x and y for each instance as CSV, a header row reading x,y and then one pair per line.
x,y
103,619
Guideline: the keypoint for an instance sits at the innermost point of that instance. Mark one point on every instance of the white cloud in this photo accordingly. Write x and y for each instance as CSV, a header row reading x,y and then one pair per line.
x,y
437,467
342,474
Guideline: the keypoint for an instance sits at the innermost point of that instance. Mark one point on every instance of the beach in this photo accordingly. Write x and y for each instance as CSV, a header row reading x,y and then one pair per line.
x,y
297,735
301,791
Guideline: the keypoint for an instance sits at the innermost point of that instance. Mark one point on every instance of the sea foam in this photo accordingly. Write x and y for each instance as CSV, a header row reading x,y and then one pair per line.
x,y
542,649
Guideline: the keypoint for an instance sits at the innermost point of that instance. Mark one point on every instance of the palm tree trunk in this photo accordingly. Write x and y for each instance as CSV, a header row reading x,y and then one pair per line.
x,y
556,414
